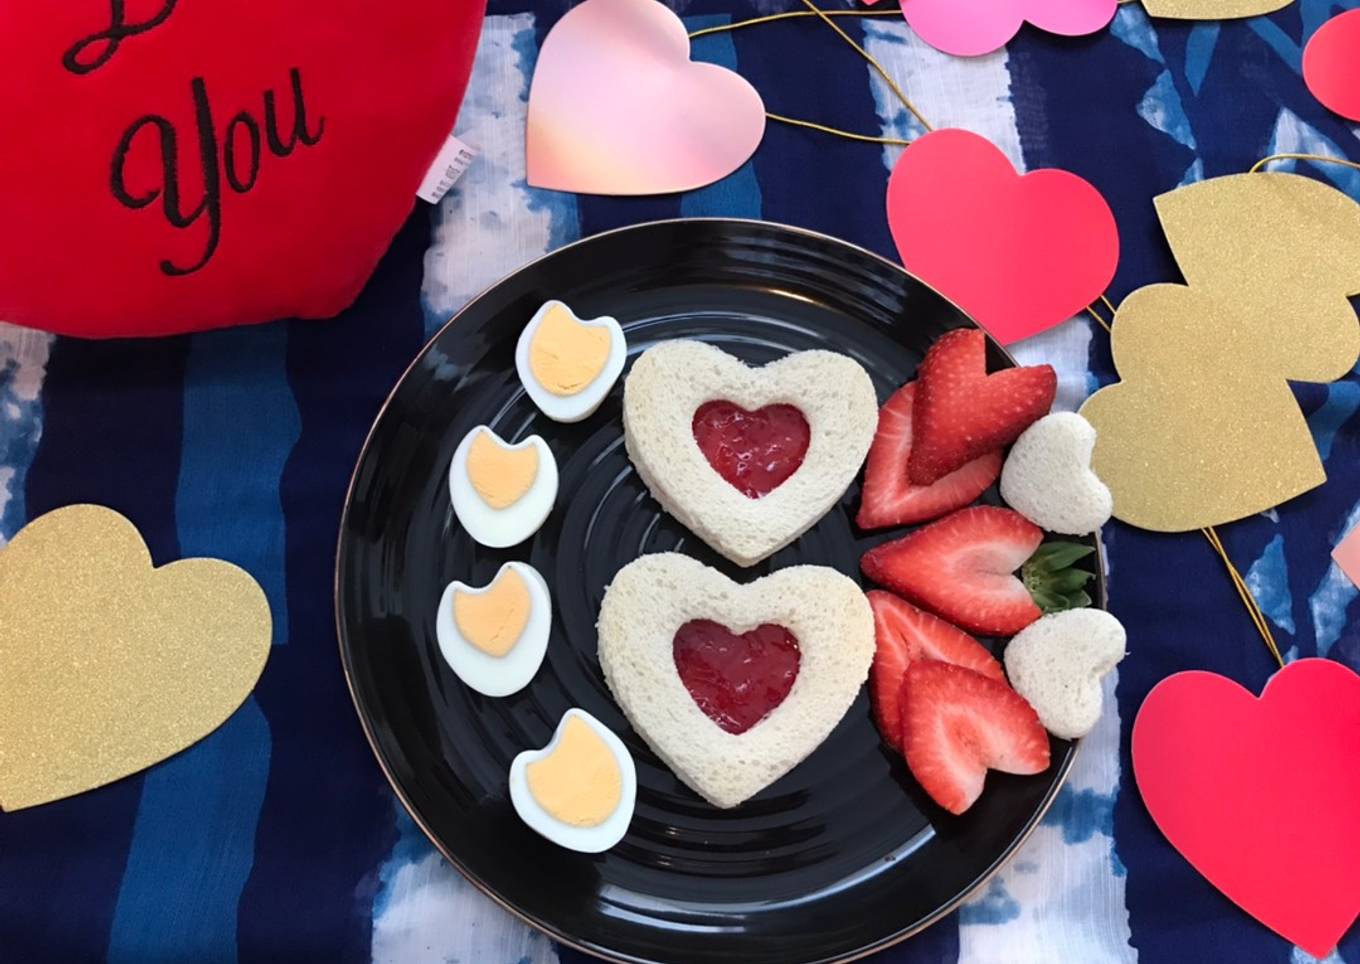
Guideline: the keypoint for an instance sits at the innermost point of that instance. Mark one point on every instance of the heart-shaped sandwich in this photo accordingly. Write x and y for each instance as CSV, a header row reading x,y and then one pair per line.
x,y
732,686
747,458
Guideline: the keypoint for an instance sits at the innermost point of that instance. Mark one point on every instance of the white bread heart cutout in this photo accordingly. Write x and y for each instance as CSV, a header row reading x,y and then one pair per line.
x,y
1058,665
653,596
1048,479
671,380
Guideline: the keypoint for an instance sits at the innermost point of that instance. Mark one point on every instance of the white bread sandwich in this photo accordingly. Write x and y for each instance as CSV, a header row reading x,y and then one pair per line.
x,y
660,611
744,489
1059,664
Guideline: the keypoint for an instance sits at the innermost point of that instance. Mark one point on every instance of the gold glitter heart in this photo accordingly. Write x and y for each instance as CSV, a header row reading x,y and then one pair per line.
x,y
1203,428
108,665
1211,9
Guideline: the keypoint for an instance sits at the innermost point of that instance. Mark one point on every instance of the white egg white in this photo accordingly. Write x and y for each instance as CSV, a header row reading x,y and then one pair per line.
x,y
571,408
590,840
499,528
497,675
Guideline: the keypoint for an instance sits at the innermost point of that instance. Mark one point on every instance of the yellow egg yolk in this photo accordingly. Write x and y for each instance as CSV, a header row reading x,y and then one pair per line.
x,y
565,355
500,475
580,783
494,620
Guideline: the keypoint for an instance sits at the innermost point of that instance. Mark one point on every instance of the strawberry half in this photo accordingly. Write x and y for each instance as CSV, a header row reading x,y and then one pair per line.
x,y
958,724
903,635
889,498
962,569
961,412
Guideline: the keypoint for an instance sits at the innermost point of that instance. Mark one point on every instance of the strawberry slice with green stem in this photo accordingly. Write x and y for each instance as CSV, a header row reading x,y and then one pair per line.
x,y
958,724
889,497
904,635
962,568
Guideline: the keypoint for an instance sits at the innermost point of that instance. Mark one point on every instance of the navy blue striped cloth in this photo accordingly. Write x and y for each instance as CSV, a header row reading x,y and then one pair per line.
x,y
276,838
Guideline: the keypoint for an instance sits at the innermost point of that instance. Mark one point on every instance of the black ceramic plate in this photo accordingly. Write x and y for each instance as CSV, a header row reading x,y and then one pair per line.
x,y
843,855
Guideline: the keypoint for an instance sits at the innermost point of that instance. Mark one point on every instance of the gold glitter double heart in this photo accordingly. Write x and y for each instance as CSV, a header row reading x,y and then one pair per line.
x,y
1204,429
108,665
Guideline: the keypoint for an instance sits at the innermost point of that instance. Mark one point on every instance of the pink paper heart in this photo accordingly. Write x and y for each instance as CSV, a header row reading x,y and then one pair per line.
x,y
1020,254
967,28
1262,795
617,107
1331,64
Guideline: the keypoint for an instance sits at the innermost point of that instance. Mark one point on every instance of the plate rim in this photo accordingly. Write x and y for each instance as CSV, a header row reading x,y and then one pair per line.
x,y
576,943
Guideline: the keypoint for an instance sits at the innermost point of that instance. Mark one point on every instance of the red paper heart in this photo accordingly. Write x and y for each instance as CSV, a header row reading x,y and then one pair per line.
x,y
1020,254
1262,796
1331,64
736,679
92,93
754,451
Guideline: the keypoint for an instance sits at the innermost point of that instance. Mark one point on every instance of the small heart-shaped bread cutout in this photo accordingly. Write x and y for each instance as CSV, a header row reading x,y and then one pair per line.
x,y
1058,665
671,382
1048,479
654,597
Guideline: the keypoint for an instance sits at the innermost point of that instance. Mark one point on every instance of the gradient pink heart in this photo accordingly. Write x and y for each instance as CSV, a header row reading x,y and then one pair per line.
x,y
1261,795
1020,254
969,28
1331,64
617,107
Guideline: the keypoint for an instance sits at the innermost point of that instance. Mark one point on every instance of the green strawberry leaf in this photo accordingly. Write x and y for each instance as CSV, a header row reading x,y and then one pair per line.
x,y
1054,556
1052,579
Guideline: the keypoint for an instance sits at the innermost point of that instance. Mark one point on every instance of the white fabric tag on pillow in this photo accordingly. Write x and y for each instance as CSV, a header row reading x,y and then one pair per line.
x,y
449,164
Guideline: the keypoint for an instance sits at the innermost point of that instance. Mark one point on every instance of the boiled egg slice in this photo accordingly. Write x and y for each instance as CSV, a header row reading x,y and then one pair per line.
x,y
502,493
578,791
567,364
494,637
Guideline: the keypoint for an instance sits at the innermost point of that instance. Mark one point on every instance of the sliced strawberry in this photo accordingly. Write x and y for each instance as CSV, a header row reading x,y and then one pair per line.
x,y
904,634
961,412
962,569
889,498
958,724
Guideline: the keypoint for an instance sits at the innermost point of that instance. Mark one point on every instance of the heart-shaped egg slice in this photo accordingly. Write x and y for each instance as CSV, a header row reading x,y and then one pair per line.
x,y
578,791
494,637
502,493
568,364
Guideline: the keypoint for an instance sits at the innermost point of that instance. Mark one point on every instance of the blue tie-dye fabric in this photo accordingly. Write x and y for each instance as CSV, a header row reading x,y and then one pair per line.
x,y
276,838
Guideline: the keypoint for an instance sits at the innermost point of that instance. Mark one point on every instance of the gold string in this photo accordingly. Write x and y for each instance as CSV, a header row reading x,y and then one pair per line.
x,y
882,71
1317,158
793,121
794,14
791,15
1244,592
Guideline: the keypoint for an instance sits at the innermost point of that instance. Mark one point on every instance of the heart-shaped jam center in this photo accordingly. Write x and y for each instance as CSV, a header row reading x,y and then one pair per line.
x,y
736,679
754,451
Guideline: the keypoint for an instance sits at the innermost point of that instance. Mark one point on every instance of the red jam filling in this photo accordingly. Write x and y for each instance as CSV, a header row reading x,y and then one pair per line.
x,y
754,451
737,680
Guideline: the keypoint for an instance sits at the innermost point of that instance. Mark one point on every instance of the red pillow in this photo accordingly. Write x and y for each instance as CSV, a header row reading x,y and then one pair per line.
x,y
176,165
